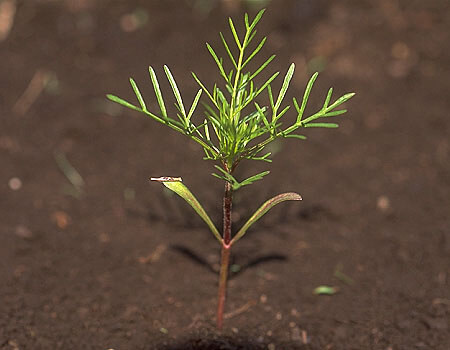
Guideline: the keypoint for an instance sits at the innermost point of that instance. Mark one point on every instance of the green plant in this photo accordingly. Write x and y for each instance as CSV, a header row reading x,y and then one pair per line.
x,y
235,127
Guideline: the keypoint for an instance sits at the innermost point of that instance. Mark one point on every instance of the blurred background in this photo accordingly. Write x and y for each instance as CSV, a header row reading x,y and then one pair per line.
x,y
87,243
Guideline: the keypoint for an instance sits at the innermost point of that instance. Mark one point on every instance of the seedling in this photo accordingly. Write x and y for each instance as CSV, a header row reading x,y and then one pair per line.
x,y
235,127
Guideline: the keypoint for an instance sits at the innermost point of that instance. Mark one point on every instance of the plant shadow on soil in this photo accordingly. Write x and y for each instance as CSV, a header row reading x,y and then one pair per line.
x,y
193,256
220,343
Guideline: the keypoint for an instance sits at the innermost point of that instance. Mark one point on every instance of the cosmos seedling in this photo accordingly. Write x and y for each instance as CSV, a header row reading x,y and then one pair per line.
x,y
235,127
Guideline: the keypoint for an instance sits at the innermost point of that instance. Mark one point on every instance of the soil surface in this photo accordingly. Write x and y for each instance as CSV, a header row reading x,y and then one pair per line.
x,y
111,261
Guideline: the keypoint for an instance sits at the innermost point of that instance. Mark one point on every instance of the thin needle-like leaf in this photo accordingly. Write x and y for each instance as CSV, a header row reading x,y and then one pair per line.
x,y
321,125
257,92
252,179
258,48
285,86
264,65
235,35
335,113
294,136
207,131
138,94
194,104
281,114
227,48
123,102
175,90
257,19
269,92
341,100
263,117
157,92
306,96
213,100
328,98
218,62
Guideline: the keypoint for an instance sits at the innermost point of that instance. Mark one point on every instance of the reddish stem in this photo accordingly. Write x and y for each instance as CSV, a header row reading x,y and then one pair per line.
x,y
227,203
226,249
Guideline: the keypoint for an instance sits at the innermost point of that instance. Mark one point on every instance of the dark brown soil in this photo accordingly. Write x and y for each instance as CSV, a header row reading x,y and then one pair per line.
x,y
124,265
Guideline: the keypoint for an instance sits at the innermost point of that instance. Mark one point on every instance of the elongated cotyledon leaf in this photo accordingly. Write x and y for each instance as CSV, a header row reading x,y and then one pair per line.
x,y
289,196
176,185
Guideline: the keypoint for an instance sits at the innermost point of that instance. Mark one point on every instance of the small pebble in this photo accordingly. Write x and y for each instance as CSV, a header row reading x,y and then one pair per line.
x,y
235,268
295,313
296,334
383,203
263,299
129,194
305,339
271,346
15,183
61,219
260,339
278,316
400,51
104,237
235,330
23,232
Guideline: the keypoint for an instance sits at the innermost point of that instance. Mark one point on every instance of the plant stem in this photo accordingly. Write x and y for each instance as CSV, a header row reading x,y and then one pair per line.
x,y
226,249
227,203
223,285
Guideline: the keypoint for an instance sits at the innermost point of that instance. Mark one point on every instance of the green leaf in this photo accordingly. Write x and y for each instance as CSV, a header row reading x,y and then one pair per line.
x,y
264,65
253,178
341,100
253,54
290,196
123,102
175,90
138,94
263,158
251,38
269,92
228,51
257,92
257,19
328,98
220,177
218,62
205,89
207,131
285,86
335,113
325,290
321,125
262,115
281,114
343,277
176,185
306,96
158,93
294,136
195,129
247,25
233,30
129,105
194,105
227,177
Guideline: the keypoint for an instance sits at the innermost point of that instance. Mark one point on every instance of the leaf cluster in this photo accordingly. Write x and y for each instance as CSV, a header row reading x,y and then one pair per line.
x,y
235,126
